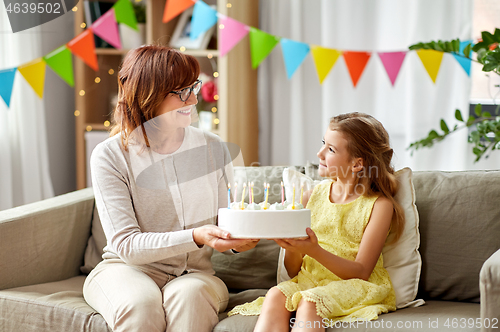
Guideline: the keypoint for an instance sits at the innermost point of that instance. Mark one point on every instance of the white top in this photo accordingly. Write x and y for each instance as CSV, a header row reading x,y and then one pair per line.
x,y
149,203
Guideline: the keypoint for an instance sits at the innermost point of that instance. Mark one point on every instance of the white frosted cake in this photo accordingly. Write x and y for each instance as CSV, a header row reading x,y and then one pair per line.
x,y
271,223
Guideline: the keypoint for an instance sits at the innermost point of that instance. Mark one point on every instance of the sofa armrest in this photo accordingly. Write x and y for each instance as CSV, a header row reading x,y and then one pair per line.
x,y
45,241
489,286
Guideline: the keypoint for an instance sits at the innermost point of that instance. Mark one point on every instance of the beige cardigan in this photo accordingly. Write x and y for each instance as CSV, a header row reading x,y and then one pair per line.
x,y
149,203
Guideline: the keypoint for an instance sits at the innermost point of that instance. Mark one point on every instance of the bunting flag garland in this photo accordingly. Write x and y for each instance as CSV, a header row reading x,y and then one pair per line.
x,y
432,62
392,62
6,84
107,28
294,54
324,60
83,46
261,44
174,8
231,32
124,13
464,62
356,63
61,63
204,17
34,73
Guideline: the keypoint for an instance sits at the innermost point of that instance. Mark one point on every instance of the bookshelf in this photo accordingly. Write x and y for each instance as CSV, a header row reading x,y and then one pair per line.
x,y
236,83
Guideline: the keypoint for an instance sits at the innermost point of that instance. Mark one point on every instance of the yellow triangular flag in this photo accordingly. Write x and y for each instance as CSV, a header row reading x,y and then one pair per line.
x,y
34,73
324,59
432,62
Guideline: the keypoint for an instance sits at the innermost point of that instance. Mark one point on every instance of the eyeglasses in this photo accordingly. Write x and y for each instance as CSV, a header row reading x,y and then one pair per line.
x,y
185,93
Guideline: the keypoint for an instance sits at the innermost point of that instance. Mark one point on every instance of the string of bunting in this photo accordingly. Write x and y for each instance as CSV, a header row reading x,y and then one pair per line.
x,y
231,32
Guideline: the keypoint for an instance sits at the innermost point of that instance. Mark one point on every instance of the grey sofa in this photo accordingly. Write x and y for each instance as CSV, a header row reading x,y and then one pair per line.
x,y
44,245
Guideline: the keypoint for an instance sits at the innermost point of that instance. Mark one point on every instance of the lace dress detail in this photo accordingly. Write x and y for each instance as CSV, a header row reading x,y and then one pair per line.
x,y
339,228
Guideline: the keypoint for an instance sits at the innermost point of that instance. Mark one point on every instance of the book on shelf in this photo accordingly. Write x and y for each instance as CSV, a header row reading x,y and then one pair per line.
x,y
94,10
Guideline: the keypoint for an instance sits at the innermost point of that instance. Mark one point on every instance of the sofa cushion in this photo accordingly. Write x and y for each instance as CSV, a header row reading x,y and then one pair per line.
x,y
55,306
95,244
460,229
401,259
44,241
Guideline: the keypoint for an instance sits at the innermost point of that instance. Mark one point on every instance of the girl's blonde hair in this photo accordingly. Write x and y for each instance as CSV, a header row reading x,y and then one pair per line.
x,y
367,139
147,75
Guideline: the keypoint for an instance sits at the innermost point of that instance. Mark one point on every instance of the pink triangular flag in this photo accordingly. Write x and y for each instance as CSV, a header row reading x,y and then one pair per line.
x,y
392,62
107,28
231,32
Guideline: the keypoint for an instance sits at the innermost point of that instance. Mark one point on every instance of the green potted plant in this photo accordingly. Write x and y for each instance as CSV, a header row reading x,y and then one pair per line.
x,y
485,127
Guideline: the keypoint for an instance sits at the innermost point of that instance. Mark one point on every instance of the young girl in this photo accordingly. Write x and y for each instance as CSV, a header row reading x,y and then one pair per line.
x,y
338,271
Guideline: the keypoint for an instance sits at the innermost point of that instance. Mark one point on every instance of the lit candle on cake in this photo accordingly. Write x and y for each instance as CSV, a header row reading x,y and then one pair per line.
x,y
235,191
243,196
267,196
282,194
251,188
293,200
228,195
301,192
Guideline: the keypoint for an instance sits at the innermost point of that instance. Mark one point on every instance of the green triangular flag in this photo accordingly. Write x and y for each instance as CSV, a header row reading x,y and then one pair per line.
x,y
261,44
61,63
124,13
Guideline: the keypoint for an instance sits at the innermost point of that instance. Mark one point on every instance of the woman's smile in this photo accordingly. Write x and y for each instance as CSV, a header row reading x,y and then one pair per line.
x,y
185,110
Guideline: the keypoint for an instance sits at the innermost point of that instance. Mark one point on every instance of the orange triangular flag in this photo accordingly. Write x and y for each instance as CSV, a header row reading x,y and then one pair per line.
x,y
83,46
356,63
324,60
175,7
432,62
34,73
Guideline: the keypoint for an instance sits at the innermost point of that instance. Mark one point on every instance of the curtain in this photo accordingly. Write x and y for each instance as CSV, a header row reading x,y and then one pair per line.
x,y
294,114
24,164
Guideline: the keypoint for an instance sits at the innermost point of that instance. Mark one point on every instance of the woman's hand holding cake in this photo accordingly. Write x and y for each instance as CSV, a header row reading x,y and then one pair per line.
x,y
221,240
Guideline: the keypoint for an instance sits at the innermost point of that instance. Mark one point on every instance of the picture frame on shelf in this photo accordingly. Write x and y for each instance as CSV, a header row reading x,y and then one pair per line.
x,y
181,38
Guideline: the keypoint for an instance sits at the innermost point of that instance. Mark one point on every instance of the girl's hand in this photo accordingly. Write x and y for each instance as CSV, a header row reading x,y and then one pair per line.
x,y
303,246
219,239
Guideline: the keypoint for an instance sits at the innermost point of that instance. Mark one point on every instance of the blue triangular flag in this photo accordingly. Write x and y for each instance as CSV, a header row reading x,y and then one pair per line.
x,y
464,62
294,54
6,84
204,17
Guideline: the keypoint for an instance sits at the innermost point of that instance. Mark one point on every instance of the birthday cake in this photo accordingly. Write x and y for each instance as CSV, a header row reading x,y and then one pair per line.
x,y
272,222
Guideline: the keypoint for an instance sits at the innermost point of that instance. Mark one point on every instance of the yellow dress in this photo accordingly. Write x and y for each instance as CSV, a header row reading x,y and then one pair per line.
x,y
339,228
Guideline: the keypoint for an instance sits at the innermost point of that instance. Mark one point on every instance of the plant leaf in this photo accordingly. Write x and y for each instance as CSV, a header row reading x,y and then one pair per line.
x,y
478,109
487,37
444,127
486,115
467,50
458,115
496,35
470,120
433,134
